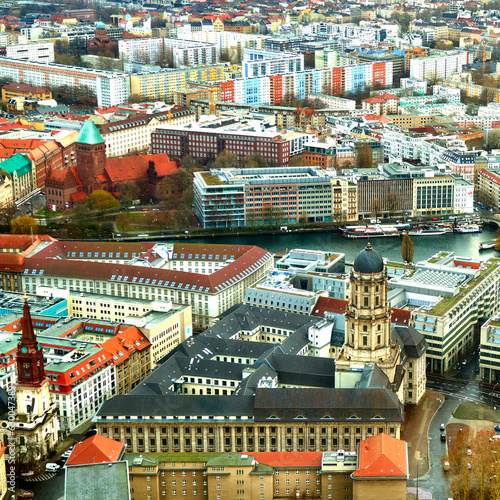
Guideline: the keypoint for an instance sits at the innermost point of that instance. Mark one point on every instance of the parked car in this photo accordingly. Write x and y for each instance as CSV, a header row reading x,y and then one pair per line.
x,y
27,473
52,467
60,462
435,218
25,494
441,427
66,454
443,437
497,428
421,220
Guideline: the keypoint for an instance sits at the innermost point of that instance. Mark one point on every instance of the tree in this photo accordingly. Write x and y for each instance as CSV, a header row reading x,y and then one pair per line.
x,y
226,159
101,200
6,216
393,203
254,161
187,163
129,193
122,221
364,155
493,139
407,248
303,218
375,207
24,225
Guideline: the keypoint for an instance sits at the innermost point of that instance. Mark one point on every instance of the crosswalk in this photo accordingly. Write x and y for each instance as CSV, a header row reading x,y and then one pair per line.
x,y
42,477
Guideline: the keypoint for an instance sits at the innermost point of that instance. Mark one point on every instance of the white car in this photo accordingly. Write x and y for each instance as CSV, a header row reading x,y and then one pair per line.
x,y
66,454
50,467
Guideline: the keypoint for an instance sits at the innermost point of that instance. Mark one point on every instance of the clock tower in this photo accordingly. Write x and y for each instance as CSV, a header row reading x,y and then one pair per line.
x,y
36,413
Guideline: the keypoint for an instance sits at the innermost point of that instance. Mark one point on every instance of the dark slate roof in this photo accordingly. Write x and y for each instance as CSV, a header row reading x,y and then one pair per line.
x,y
150,406
368,261
412,341
342,405
249,384
303,370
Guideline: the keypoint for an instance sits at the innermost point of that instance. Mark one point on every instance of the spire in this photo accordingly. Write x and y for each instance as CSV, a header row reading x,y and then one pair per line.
x,y
28,334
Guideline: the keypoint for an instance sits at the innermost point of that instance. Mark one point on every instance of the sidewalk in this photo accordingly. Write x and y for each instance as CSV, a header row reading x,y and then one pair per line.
x,y
415,431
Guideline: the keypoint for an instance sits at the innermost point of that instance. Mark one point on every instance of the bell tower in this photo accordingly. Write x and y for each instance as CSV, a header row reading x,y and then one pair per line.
x,y
36,413
90,156
368,316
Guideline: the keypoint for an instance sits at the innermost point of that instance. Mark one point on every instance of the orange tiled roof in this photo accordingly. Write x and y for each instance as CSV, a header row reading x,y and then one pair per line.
x,y
382,456
96,449
288,459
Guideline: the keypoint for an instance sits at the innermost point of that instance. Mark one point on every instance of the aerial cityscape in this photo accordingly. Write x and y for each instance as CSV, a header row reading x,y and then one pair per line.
x,y
249,251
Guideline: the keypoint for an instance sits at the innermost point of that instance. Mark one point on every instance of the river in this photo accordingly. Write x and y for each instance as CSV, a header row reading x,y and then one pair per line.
x,y
464,245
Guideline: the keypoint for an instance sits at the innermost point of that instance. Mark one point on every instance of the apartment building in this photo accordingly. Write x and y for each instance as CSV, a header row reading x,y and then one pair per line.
x,y
181,52
109,87
163,84
489,186
111,269
271,89
35,52
267,196
134,134
261,63
438,66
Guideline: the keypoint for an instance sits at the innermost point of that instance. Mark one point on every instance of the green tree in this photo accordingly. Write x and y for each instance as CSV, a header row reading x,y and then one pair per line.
x,y
254,161
24,225
407,248
101,200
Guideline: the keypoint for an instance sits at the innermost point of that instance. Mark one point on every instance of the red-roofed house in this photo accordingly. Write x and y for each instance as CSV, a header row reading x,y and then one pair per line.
x,y
95,450
382,468
385,104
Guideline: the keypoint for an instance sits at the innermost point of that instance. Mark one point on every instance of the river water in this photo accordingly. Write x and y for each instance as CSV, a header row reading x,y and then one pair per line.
x,y
464,245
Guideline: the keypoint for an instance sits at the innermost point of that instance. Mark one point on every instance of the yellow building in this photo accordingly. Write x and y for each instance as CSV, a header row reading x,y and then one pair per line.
x,y
6,194
162,85
164,325
11,90
273,475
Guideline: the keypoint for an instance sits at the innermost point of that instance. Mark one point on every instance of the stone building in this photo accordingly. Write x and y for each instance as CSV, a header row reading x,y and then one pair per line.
x,y
399,353
36,422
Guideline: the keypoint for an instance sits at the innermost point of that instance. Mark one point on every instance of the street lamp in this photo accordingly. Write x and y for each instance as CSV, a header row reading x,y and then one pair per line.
x,y
492,393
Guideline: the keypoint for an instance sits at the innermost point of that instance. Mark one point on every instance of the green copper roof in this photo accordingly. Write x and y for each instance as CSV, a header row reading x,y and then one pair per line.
x,y
17,163
100,25
89,134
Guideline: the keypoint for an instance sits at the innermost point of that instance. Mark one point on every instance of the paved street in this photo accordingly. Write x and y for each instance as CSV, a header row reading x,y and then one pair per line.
x,y
52,489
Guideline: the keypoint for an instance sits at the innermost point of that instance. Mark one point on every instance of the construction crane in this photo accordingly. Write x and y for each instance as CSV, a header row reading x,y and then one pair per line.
x,y
484,57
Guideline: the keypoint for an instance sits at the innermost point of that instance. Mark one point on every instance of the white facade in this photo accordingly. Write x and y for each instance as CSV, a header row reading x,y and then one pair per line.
x,y
262,63
36,52
438,66
109,87
464,197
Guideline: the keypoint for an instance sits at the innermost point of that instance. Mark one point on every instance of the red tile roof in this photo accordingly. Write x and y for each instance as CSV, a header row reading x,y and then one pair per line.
x,y
96,449
24,88
329,304
126,343
382,456
134,167
289,459
253,258
400,316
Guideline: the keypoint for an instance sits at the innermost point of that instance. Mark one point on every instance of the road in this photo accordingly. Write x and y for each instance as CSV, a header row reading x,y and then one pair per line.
x,y
51,489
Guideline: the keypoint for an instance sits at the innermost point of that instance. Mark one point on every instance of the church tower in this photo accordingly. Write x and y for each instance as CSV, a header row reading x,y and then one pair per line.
x,y
36,422
368,316
90,157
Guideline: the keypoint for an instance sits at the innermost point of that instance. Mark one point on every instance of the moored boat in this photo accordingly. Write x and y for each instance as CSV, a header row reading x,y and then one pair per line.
x,y
485,245
372,231
468,228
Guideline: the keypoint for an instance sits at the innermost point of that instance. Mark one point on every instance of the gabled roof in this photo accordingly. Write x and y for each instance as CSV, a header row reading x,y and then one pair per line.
x,y
329,304
96,449
18,164
89,134
382,456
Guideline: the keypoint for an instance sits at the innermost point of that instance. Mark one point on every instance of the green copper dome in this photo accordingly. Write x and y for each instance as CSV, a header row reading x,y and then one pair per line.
x,y
89,134
100,25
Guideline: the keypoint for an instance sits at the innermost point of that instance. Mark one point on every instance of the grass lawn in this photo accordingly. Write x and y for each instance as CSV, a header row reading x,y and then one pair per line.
x,y
476,411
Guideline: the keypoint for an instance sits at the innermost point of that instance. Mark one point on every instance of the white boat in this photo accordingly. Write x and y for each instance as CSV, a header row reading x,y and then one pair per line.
x,y
468,228
425,232
372,231
487,244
